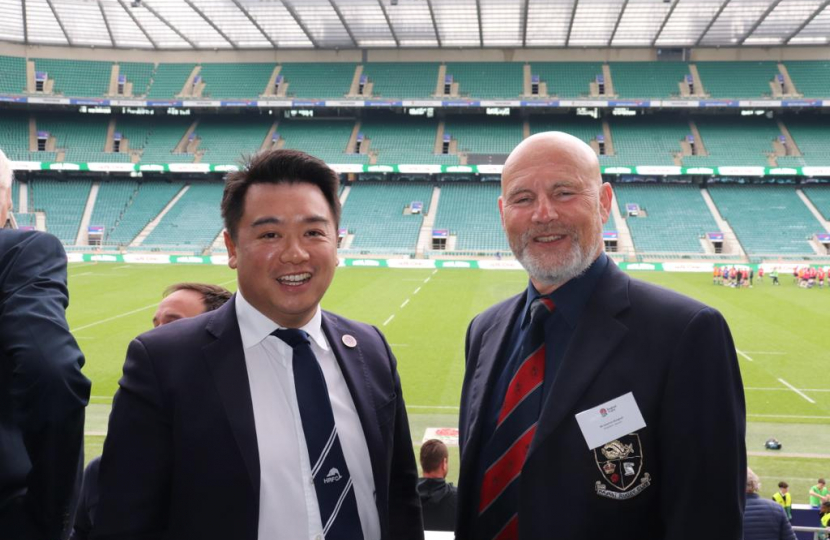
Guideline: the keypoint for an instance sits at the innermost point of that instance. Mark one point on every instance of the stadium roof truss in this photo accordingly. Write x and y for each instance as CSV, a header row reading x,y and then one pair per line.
x,y
362,24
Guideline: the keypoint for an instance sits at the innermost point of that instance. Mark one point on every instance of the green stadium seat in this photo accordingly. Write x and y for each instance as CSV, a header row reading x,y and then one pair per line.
x,y
396,80
410,140
193,223
63,202
144,204
77,78
235,81
325,139
484,135
168,80
644,80
469,211
13,80
318,81
737,79
487,80
567,79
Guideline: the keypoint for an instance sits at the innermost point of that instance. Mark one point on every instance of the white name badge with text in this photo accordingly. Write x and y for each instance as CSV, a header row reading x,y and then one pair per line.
x,y
610,420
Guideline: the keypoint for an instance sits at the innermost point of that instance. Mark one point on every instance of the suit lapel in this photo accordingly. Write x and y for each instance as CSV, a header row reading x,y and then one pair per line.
x,y
595,337
226,361
354,369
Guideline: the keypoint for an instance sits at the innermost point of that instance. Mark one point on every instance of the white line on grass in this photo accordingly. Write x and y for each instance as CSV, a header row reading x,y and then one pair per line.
x,y
427,279
108,319
82,265
779,389
767,352
434,271
416,290
797,391
792,416
82,274
389,319
744,355
399,344
405,302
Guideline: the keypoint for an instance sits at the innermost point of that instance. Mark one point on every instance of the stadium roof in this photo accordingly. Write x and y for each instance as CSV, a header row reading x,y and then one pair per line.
x,y
351,24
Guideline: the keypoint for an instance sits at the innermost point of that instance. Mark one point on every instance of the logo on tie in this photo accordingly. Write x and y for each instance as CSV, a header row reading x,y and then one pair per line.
x,y
332,476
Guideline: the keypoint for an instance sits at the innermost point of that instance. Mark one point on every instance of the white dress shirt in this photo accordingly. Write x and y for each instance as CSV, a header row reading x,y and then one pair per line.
x,y
288,506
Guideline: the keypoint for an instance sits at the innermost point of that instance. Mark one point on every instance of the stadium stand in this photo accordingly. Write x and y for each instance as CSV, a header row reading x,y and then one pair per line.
x,y
469,212
138,73
13,80
399,80
375,213
737,79
647,140
582,127
820,197
63,203
812,136
410,140
193,223
81,141
14,137
226,139
110,204
567,79
25,220
744,143
145,203
165,133
672,218
811,79
331,80
768,220
484,134
76,78
245,81
487,80
648,79
168,80
325,139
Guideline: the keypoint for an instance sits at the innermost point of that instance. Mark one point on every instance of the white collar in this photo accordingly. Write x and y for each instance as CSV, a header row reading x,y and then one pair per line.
x,y
254,327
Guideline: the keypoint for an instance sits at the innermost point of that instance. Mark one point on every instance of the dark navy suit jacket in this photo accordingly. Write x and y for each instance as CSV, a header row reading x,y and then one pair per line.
x,y
677,357
42,390
181,457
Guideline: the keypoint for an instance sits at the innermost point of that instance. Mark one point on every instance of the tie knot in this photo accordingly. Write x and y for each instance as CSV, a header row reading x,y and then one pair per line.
x,y
540,308
292,336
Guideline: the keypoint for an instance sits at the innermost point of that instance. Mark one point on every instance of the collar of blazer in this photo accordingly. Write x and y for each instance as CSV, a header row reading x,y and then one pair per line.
x,y
226,360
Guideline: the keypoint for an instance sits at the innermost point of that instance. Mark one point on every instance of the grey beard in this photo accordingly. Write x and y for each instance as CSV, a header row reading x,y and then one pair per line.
x,y
574,263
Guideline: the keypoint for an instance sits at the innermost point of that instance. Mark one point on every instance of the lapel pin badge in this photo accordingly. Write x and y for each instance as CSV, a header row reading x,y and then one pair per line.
x,y
349,341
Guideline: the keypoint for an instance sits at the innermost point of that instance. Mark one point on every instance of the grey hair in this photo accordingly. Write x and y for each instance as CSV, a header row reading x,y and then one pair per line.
x,y
753,483
6,172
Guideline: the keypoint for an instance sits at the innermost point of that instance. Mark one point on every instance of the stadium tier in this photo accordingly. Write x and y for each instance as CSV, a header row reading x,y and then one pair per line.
x,y
672,217
820,197
326,139
13,80
79,140
326,81
404,140
484,134
247,81
110,204
140,74
470,213
397,79
648,79
165,133
567,79
647,141
748,142
379,218
767,220
811,79
14,137
63,202
226,139
488,80
812,137
81,78
737,79
144,204
169,80
193,223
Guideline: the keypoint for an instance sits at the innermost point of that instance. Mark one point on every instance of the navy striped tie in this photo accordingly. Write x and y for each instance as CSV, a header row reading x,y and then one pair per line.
x,y
332,482
504,454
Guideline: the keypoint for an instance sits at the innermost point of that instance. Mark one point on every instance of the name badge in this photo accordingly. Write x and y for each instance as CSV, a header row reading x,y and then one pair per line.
x,y
610,420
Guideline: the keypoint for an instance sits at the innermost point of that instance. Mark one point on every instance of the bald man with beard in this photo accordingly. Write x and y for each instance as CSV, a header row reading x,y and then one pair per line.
x,y
593,404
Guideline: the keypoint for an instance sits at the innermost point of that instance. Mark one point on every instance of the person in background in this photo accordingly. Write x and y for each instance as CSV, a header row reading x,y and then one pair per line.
x,y
819,493
784,498
43,394
181,301
438,497
763,519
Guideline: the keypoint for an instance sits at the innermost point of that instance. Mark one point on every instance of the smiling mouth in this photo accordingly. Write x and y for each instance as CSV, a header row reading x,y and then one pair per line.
x,y
548,239
294,280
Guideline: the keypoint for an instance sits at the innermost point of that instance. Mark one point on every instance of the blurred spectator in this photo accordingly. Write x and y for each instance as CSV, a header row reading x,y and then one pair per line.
x,y
785,499
763,519
438,498
819,493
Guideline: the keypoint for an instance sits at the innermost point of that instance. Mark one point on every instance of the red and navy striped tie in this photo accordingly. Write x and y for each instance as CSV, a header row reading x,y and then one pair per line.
x,y
505,453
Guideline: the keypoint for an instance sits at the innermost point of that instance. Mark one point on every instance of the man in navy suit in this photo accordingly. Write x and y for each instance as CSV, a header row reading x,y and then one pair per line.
x,y
593,405
207,438
42,390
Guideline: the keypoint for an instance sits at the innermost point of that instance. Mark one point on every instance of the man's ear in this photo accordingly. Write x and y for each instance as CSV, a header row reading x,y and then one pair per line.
x,y
231,249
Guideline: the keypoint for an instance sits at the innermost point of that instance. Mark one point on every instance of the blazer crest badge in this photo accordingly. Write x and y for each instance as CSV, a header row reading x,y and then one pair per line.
x,y
620,463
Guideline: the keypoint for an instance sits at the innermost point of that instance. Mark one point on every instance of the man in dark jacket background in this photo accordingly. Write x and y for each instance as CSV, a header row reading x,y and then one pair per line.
x,y
763,519
438,497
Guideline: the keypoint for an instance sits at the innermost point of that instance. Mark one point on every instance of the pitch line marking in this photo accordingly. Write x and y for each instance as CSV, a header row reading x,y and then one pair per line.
x,y
416,290
427,279
125,266
800,417
767,352
797,391
405,302
434,271
82,274
108,319
778,389
744,355
389,319
81,265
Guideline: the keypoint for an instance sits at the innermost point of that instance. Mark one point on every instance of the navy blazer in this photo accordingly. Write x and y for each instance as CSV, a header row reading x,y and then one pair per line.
x,y
42,390
677,357
181,458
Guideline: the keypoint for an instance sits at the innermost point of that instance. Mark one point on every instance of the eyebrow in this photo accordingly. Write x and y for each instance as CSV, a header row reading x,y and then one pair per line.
x,y
274,220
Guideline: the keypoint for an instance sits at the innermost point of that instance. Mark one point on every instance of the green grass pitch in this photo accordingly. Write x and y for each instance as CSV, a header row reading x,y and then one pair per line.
x,y
780,333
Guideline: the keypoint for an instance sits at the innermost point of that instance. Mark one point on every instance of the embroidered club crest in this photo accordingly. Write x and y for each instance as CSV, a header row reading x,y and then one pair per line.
x,y
621,465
